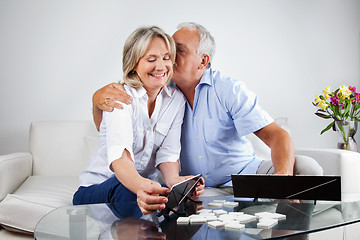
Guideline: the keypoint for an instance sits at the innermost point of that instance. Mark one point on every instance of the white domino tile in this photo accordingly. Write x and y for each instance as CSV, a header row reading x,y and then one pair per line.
x,y
216,224
206,214
215,204
231,204
220,212
197,220
236,213
211,218
267,223
245,218
279,216
234,226
183,220
227,217
270,215
204,210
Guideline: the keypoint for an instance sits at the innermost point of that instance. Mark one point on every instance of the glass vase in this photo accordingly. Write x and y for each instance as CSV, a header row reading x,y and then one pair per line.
x,y
347,130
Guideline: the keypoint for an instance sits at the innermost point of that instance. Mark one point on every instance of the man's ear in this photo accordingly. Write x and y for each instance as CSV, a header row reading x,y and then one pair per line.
x,y
205,59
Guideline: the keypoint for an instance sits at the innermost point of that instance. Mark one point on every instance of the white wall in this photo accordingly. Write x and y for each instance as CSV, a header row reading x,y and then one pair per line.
x,y
55,54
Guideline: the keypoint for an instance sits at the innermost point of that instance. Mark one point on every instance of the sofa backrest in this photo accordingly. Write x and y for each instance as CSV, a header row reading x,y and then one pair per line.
x,y
59,147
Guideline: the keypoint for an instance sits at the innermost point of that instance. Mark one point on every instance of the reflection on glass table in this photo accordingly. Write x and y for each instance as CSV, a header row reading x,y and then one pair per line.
x,y
118,221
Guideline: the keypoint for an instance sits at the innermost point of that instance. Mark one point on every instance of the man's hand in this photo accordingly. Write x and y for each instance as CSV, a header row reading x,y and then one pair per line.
x,y
200,188
105,99
200,185
149,199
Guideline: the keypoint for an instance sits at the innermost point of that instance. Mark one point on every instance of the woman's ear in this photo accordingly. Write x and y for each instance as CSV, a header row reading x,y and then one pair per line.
x,y
205,59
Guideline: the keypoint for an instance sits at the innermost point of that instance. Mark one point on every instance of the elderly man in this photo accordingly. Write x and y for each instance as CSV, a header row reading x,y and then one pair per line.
x,y
220,112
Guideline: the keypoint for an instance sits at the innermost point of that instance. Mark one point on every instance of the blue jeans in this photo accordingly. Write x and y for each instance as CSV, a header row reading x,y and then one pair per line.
x,y
110,191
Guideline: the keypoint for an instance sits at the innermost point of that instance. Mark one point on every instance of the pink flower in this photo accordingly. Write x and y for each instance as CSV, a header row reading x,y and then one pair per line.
x,y
357,97
353,89
335,100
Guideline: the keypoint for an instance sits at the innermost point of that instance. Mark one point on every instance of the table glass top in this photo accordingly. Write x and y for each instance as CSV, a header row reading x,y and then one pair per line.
x,y
118,221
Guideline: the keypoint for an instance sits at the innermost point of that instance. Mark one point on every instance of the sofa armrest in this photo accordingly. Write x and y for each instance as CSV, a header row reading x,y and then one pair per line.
x,y
14,169
339,163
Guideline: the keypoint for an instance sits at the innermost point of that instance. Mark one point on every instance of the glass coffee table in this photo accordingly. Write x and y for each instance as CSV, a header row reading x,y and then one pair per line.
x,y
118,221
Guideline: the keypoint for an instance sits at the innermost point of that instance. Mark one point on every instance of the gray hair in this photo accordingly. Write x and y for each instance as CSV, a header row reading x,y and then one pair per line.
x,y
135,48
206,43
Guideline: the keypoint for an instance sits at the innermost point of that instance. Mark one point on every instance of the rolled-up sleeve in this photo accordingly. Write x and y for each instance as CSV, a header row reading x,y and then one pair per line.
x,y
247,114
119,132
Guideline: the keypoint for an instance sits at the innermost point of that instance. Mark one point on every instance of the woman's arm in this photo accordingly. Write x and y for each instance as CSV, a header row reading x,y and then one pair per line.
x,y
119,140
126,173
147,191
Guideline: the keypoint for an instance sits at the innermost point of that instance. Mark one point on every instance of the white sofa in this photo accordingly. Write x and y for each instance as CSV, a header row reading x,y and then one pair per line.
x,y
36,182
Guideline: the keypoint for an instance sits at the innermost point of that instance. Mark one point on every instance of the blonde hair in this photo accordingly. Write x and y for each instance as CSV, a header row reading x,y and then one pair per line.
x,y
135,48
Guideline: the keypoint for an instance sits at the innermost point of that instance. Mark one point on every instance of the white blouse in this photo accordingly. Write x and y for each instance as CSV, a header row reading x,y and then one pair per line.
x,y
150,141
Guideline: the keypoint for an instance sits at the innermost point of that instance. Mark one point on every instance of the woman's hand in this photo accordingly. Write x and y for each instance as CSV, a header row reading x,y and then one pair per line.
x,y
148,197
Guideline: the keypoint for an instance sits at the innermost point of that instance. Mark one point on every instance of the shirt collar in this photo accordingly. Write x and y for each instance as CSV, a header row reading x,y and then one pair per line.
x,y
167,91
206,77
138,92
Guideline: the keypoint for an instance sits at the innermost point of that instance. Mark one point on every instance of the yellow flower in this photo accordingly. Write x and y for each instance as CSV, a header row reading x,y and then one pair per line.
x,y
322,105
327,92
317,99
344,92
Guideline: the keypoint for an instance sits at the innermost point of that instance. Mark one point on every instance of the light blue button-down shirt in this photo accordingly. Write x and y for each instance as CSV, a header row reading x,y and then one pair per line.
x,y
212,139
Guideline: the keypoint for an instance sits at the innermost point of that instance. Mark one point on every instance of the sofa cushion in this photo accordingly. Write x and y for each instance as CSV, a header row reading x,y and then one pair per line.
x,y
58,147
36,197
91,144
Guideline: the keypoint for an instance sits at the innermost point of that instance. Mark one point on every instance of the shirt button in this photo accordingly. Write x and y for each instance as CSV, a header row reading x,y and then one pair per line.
x,y
194,118
200,157
197,137
206,176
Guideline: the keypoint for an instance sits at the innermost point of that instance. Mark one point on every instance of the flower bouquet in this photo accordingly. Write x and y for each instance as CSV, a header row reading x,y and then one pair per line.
x,y
343,107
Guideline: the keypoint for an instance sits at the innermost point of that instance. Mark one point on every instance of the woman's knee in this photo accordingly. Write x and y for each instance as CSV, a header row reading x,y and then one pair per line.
x,y
77,198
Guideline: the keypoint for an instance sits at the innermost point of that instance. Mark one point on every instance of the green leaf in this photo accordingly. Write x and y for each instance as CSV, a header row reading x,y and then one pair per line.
x,y
322,115
334,127
357,106
327,128
347,110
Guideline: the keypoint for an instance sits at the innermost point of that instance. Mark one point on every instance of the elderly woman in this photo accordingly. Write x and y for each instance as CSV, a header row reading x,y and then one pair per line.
x,y
140,139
